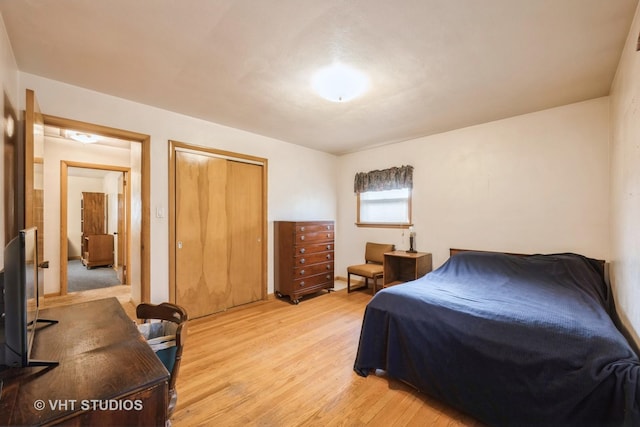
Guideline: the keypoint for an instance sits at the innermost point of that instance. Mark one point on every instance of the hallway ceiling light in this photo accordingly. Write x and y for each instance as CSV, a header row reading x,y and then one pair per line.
x,y
339,82
85,138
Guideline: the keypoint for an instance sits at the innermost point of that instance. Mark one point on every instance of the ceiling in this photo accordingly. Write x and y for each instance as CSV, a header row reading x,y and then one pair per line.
x,y
434,65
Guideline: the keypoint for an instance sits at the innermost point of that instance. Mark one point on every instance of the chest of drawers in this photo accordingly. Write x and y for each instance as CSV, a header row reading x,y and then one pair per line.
x,y
304,257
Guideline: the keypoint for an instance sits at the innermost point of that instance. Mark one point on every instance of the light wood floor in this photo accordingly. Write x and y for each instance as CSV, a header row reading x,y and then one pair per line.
x,y
122,292
277,364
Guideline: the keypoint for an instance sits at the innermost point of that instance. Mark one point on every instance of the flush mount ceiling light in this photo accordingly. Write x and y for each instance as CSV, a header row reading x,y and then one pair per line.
x,y
85,138
339,83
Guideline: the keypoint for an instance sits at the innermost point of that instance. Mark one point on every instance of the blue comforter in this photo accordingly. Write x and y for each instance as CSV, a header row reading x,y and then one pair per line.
x,y
509,340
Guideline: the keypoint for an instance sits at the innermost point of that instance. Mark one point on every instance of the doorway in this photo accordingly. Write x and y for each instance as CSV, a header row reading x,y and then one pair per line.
x,y
34,123
138,266
98,225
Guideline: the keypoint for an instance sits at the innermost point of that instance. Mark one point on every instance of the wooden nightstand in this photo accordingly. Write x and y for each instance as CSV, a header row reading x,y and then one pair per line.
x,y
403,266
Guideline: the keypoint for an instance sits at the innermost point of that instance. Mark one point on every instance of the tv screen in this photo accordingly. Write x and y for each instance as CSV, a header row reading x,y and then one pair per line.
x,y
22,294
31,282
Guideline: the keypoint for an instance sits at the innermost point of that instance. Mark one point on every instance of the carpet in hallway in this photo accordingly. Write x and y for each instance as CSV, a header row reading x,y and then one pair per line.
x,y
79,278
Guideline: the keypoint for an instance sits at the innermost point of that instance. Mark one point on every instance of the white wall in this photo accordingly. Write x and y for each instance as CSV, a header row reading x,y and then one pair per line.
x,y
625,183
532,183
301,183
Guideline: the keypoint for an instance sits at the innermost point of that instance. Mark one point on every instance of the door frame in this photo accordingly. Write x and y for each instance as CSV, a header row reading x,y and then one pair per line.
x,y
64,200
145,171
175,146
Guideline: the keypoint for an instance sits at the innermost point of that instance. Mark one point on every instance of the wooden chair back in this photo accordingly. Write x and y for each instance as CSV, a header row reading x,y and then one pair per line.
x,y
169,313
374,252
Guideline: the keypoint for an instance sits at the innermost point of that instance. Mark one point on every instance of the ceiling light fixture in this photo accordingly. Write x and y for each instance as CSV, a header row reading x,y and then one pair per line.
x,y
339,82
85,138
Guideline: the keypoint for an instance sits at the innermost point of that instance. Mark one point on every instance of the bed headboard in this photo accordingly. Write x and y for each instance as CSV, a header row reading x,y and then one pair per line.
x,y
454,251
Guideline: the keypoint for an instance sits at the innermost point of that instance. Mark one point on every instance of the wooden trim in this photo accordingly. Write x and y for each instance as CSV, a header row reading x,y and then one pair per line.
x,y
175,146
374,225
31,111
64,246
94,128
145,232
265,231
172,221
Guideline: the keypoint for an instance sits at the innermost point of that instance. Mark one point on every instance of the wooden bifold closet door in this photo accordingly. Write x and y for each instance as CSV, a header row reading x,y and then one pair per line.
x,y
219,223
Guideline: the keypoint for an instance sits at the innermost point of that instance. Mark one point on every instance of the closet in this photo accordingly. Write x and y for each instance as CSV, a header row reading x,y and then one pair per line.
x,y
219,210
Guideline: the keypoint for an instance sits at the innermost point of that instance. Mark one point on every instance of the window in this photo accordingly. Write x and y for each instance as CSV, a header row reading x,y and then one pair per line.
x,y
385,208
384,197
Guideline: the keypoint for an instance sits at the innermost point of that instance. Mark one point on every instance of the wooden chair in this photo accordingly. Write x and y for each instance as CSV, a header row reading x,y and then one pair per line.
x,y
373,267
166,337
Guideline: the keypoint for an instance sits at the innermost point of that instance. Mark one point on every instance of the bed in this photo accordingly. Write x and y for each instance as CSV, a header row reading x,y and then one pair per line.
x,y
508,339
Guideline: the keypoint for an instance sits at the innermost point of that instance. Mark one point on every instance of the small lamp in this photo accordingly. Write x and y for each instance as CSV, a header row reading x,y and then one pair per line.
x,y
412,241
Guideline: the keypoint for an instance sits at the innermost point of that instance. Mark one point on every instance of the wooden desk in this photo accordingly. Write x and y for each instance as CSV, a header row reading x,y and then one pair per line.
x,y
403,266
108,374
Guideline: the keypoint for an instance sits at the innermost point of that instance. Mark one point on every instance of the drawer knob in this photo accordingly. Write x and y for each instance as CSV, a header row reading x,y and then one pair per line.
x,y
302,283
328,266
302,261
329,235
328,276
328,247
328,256
303,250
301,237
301,228
302,272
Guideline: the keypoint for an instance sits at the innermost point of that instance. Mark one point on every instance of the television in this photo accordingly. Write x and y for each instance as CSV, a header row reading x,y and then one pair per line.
x,y
22,295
